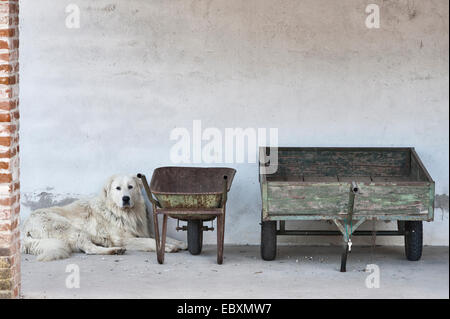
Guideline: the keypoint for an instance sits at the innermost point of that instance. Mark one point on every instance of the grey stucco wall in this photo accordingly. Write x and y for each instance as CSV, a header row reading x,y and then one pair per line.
x,y
103,99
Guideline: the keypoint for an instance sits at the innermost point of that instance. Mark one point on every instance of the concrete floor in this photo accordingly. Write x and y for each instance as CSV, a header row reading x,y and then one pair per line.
x,y
298,272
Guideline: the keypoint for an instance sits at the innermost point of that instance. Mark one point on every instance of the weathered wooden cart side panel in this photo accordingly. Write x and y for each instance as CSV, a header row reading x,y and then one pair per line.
x,y
330,200
265,201
418,170
304,217
432,197
314,183
345,162
392,198
310,198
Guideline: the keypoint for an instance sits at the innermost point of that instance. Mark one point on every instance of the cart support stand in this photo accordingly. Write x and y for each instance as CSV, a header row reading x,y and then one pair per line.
x,y
354,189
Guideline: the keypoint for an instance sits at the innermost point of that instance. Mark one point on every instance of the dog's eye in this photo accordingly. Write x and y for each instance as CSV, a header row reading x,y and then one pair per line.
x,y
130,187
118,188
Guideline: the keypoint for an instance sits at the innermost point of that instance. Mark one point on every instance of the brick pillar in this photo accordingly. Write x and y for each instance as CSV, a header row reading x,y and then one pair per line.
x,y
9,150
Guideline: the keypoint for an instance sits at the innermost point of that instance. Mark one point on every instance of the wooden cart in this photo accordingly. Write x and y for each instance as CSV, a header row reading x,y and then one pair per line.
x,y
347,186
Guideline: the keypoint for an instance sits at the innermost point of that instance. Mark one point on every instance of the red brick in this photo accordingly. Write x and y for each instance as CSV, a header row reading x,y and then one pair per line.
x,y
8,80
8,128
8,226
5,178
5,117
10,56
7,33
5,140
8,105
8,153
8,201
6,68
5,239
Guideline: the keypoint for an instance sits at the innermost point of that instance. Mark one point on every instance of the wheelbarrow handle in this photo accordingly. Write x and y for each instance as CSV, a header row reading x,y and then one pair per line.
x,y
147,190
225,190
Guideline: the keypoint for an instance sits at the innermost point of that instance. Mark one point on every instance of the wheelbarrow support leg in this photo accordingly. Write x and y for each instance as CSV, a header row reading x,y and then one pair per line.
x,y
163,239
160,240
220,238
221,223
157,238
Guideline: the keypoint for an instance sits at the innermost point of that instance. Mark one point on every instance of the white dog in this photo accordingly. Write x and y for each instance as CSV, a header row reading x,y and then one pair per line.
x,y
110,223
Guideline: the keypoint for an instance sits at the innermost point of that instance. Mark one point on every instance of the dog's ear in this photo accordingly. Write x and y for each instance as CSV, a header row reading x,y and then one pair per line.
x,y
107,187
138,182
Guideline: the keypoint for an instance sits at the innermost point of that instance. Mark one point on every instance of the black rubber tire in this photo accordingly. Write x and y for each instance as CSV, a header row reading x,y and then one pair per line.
x,y
401,225
413,240
195,236
269,240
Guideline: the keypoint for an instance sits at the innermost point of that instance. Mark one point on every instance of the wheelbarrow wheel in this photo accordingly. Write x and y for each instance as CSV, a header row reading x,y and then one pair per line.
x,y
195,236
269,240
413,240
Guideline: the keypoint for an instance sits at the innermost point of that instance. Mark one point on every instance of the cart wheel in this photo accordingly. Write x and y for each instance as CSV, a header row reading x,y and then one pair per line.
x,y
195,236
413,240
269,240
401,225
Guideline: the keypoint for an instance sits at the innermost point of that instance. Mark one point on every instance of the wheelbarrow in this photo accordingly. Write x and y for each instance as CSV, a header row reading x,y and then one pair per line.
x,y
191,194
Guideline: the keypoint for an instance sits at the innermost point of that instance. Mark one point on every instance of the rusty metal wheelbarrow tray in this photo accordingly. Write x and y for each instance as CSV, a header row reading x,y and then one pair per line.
x,y
190,188
189,193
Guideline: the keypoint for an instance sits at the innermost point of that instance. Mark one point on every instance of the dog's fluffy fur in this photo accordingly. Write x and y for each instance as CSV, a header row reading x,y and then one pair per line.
x,y
110,223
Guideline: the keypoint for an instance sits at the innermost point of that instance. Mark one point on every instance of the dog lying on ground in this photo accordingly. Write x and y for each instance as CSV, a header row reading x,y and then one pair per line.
x,y
110,223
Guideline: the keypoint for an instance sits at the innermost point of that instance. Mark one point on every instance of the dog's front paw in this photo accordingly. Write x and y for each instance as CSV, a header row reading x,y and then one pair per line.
x,y
117,251
102,241
171,248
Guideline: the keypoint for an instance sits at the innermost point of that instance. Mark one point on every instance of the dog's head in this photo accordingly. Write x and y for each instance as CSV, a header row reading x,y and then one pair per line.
x,y
123,190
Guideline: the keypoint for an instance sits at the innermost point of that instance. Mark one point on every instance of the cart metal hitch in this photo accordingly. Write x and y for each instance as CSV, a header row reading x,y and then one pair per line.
x,y
354,189
344,259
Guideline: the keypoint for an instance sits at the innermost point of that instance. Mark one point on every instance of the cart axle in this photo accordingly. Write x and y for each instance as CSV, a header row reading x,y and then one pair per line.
x,y
184,228
338,233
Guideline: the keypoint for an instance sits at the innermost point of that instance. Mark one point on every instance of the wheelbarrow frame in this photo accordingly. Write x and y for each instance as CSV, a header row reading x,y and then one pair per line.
x,y
187,214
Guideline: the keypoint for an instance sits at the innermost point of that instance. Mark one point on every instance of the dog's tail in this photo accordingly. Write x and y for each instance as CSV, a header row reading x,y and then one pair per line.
x,y
46,249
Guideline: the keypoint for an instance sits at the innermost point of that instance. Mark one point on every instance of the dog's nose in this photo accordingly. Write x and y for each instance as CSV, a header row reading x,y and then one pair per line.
x,y
126,199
